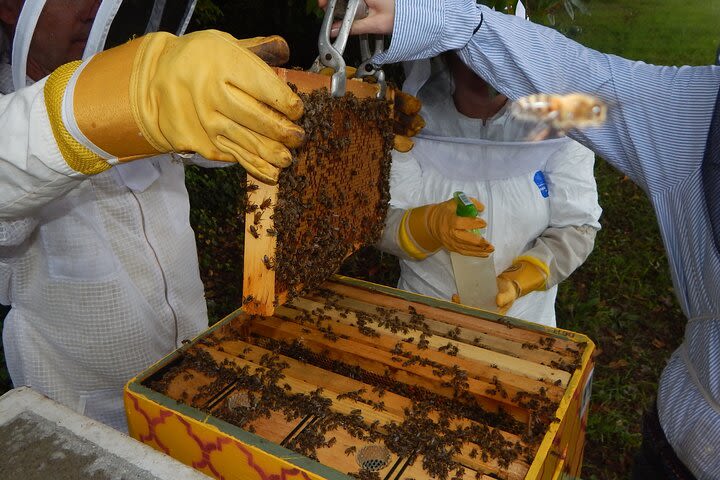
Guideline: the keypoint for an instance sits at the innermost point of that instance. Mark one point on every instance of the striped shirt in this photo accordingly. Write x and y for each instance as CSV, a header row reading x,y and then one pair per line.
x,y
657,127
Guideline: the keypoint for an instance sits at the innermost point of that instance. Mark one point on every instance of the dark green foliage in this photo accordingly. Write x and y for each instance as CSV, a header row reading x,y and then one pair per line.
x,y
206,13
298,21
217,215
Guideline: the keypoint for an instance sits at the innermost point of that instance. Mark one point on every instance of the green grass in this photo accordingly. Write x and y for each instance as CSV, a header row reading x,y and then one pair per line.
x,y
662,32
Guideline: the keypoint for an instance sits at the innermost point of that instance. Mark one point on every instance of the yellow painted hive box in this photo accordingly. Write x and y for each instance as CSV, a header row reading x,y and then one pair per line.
x,y
356,380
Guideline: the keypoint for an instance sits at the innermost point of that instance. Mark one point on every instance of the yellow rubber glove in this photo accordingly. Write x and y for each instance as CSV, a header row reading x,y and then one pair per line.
x,y
205,92
525,275
408,121
329,71
424,230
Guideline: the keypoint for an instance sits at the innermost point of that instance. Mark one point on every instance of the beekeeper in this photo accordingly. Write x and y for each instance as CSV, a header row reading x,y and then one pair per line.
x,y
97,256
540,198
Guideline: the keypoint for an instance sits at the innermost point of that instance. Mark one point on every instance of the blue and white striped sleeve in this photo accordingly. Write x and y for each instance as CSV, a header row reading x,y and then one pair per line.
x,y
426,28
650,134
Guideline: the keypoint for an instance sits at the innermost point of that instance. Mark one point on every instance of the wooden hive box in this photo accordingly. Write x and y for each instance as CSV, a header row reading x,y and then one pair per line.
x,y
331,201
355,376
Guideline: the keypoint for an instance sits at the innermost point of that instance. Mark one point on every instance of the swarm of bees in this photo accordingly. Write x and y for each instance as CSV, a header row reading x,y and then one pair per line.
x,y
560,113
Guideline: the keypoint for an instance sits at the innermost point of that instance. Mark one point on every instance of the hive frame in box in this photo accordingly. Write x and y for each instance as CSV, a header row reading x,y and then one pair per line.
x,y
221,449
261,291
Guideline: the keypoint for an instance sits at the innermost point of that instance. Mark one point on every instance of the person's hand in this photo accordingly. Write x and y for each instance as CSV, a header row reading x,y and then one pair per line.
x,y
424,230
380,19
408,121
520,278
205,92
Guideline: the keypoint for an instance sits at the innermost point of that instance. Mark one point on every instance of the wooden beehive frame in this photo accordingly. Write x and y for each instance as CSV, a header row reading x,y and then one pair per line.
x,y
502,362
261,290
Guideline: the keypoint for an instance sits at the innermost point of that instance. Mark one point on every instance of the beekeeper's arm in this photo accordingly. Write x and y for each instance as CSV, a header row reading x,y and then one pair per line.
x,y
520,58
205,92
574,222
416,233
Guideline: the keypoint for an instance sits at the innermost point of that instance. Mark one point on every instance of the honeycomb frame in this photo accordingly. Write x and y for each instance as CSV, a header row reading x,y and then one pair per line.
x,y
329,203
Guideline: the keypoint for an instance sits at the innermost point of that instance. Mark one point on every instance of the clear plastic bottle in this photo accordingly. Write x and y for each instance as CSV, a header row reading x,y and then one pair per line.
x,y
475,277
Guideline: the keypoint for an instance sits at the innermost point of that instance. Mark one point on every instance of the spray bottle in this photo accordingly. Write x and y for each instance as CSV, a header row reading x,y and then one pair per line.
x,y
474,276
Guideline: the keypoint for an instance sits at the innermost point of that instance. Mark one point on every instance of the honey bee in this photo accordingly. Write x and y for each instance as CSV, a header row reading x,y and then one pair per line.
x,y
254,231
268,262
561,112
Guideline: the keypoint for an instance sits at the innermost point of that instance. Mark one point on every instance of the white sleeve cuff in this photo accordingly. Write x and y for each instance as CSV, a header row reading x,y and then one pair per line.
x,y
389,241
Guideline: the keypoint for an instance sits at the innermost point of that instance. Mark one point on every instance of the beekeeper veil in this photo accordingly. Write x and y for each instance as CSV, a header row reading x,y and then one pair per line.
x,y
81,28
431,81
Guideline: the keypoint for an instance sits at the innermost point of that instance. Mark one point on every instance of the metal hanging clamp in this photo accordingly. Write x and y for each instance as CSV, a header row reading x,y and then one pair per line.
x,y
366,68
331,53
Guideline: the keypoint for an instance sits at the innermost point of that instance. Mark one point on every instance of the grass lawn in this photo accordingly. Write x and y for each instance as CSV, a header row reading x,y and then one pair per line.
x,y
662,32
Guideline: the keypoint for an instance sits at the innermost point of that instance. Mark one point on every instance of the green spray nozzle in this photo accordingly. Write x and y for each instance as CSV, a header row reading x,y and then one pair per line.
x,y
466,208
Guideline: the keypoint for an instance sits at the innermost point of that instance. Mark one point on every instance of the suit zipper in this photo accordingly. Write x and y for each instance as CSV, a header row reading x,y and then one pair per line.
x,y
157,260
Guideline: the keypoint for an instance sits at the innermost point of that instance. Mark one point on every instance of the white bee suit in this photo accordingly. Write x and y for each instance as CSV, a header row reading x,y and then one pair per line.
x,y
540,197
101,272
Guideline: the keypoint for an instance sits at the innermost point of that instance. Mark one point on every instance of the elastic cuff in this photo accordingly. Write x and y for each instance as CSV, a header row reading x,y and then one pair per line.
x,y
77,156
535,262
526,283
426,28
407,243
417,228
43,137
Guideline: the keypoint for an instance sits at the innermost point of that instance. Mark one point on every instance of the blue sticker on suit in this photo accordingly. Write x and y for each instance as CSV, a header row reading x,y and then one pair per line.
x,y
539,179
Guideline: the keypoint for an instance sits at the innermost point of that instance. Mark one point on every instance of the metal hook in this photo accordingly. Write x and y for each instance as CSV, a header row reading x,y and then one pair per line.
x,y
331,53
366,68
